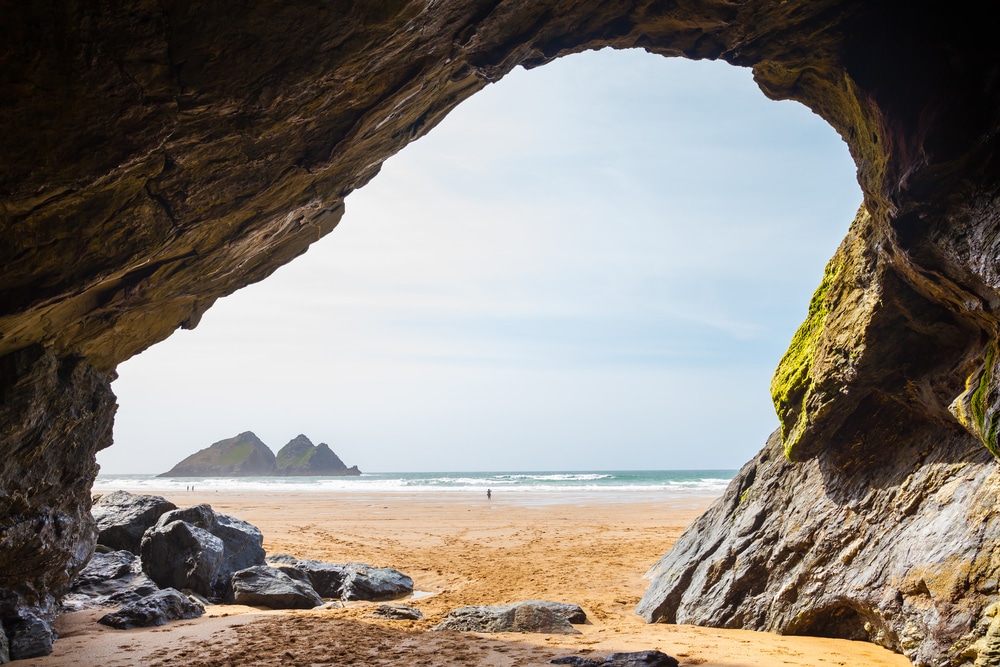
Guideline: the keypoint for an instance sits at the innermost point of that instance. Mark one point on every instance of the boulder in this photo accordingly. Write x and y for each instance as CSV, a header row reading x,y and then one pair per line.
x,y
109,579
123,517
397,612
634,659
155,609
348,581
364,582
264,586
29,636
181,555
242,542
518,617
327,579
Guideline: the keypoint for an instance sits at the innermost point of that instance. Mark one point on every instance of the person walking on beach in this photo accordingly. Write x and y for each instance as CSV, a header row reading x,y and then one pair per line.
x,y
489,494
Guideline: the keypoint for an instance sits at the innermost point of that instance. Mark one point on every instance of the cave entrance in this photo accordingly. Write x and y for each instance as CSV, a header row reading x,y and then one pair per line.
x,y
582,267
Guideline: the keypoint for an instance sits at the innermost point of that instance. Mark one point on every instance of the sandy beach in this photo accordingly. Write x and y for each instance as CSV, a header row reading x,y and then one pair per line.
x,y
459,550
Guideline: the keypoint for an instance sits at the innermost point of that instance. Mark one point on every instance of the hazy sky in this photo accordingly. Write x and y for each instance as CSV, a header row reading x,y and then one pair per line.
x,y
592,265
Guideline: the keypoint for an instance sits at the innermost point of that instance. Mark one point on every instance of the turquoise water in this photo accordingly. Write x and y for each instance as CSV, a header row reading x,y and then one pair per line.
x,y
601,484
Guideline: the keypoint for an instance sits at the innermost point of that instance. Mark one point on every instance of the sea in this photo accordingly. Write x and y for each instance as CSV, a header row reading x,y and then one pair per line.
x,y
526,487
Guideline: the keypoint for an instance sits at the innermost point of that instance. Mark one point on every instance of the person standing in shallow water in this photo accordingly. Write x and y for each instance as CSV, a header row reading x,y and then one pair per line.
x,y
489,494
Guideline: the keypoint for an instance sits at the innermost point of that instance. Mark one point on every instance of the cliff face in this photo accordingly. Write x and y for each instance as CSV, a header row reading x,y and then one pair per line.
x,y
157,155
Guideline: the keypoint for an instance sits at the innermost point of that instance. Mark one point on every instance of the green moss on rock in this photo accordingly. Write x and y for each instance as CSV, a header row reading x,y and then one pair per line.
x,y
792,379
986,420
978,402
976,408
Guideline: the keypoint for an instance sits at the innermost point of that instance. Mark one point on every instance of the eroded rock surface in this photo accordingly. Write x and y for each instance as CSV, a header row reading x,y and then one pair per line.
x,y
54,416
793,548
123,517
158,155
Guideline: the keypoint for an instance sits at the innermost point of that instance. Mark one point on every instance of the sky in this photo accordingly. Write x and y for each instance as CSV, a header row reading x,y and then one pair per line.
x,y
592,265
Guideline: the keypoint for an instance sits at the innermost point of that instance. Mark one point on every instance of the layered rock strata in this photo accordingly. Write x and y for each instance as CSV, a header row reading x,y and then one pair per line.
x,y
159,155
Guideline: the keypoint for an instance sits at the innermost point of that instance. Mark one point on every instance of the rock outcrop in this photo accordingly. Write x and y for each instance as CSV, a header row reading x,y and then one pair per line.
x,y
301,457
247,456
792,548
55,414
239,456
157,156
264,586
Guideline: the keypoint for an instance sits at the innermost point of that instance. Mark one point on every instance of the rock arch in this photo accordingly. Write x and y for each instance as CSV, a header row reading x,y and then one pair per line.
x,y
160,154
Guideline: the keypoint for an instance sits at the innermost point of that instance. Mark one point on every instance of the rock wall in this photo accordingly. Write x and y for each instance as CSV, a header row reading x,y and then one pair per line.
x,y
856,547
160,154
55,414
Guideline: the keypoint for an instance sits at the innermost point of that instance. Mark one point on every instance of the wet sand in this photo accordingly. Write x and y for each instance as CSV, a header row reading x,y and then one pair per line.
x,y
459,550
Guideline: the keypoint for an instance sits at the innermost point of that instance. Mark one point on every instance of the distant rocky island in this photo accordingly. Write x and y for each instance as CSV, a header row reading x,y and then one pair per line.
x,y
247,456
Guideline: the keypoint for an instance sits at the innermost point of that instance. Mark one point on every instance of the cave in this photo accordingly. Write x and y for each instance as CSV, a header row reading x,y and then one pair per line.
x,y
160,155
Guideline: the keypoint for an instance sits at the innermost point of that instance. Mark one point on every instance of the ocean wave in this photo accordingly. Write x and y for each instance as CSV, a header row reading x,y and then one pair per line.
x,y
599,484
557,477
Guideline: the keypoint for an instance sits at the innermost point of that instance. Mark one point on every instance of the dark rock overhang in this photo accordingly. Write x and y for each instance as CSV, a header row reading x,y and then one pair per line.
x,y
155,156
